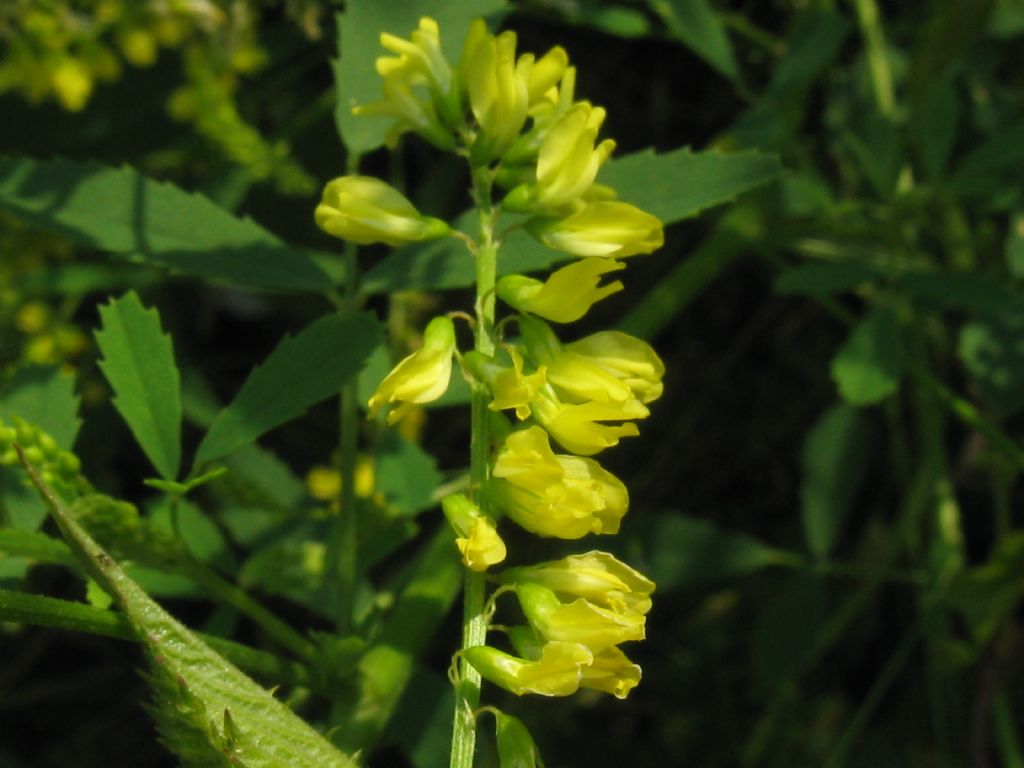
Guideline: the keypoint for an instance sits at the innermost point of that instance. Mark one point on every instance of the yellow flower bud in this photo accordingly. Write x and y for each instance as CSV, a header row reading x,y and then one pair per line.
x,y
567,162
605,228
545,73
478,541
366,210
563,496
596,576
567,294
498,89
557,671
421,62
421,377
580,621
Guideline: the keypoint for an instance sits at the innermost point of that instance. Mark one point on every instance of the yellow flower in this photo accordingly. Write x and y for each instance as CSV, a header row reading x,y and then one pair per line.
x,y
421,377
579,427
596,576
365,210
612,672
557,671
498,89
606,228
545,73
631,360
510,387
563,496
567,162
478,541
580,621
420,60
567,294
413,113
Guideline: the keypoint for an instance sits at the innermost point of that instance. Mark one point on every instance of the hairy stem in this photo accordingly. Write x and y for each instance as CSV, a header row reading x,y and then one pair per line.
x,y
474,620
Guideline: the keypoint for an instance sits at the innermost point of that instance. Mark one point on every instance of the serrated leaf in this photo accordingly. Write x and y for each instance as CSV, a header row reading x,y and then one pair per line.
x,y
138,361
123,212
673,186
833,461
195,685
302,370
359,30
44,397
870,364
407,475
696,25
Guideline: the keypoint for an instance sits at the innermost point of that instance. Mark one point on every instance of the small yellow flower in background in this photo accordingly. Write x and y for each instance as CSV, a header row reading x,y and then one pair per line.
x,y
510,387
498,89
580,621
365,210
598,577
72,84
628,358
567,295
323,483
478,541
421,377
567,162
579,428
556,495
607,228
556,672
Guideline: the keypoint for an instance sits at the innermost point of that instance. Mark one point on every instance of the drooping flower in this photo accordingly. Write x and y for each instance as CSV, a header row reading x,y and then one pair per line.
x,y
554,495
421,377
606,228
582,427
556,672
365,210
478,541
566,295
631,360
598,577
579,621
510,387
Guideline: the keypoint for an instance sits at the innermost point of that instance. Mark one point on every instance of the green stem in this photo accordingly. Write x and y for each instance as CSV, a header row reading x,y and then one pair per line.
x,y
341,562
474,620
40,611
870,22
232,595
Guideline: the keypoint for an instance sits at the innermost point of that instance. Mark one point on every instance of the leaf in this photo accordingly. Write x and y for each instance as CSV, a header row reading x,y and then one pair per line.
x,y
823,279
833,462
992,349
683,551
121,211
812,46
869,366
355,74
696,25
44,397
989,594
208,712
407,475
673,186
35,547
786,630
935,123
300,372
994,166
139,364
972,291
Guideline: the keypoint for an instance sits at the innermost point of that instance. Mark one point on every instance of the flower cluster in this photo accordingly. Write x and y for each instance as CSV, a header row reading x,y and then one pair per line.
x,y
517,121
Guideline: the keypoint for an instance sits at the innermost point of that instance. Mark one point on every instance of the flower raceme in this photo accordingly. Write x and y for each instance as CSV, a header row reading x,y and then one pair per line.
x,y
365,210
421,377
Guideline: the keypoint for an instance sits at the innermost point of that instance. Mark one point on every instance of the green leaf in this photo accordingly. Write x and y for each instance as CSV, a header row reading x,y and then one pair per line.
x,y
786,630
972,291
1015,244
992,349
833,461
935,124
406,474
989,594
355,73
138,361
684,551
35,547
869,366
823,279
994,166
44,397
696,25
121,211
814,44
300,372
673,186
208,712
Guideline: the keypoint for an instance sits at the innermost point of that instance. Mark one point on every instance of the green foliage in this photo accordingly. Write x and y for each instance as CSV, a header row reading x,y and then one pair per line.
x,y
138,361
869,366
696,25
44,397
121,211
300,372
